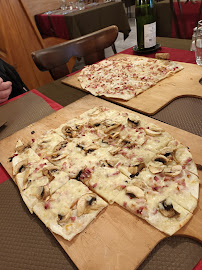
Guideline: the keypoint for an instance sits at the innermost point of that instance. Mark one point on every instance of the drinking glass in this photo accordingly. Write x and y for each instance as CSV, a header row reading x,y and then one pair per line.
x,y
63,4
198,44
71,5
81,4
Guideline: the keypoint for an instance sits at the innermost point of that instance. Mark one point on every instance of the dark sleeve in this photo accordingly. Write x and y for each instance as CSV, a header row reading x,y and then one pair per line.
x,y
8,73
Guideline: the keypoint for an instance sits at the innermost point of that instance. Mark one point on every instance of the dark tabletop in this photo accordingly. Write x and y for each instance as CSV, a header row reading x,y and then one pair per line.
x,y
27,244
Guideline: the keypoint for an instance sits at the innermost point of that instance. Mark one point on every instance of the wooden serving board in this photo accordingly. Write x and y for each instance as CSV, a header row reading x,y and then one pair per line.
x,y
116,239
182,84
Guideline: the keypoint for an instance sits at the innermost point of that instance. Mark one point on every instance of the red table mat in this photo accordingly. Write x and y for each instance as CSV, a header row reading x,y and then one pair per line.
x,y
175,54
198,266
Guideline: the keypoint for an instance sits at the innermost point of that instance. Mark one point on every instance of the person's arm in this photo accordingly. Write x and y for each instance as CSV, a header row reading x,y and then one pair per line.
x,y
5,90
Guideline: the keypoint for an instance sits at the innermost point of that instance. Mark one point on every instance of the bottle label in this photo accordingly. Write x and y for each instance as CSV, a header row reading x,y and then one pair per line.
x,y
150,35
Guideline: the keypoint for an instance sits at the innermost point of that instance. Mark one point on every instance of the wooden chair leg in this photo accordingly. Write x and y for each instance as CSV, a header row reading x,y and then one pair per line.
x,y
114,48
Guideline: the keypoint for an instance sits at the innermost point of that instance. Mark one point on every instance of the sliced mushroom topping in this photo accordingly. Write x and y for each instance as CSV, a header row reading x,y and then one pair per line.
x,y
69,132
64,216
106,139
168,154
115,151
111,128
94,123
91,148
174,157
115,135
43,142
80,146
83,175
140,184
167,151
106,163
57,156
53,170
110,163
156,128
45,192
152,133
26,182
96,112
134,192
111,138
20,149
155,170
78,175
167,210
161,158
60,146
141,166
20,167
173,171
86,203
135,170
49,173
127,143
133,122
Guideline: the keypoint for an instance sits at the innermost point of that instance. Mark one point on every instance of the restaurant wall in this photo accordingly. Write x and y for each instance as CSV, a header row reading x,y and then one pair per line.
x,y
40,6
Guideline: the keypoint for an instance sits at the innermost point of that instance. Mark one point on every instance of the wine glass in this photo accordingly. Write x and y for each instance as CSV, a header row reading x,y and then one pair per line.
x,y
198,45
63,4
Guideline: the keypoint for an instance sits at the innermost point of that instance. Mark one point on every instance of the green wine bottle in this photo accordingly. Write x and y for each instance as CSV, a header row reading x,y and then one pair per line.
x,y
146,24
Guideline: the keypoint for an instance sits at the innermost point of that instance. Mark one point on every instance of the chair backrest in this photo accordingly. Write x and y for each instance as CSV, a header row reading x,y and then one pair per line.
x,y
181,11
90,46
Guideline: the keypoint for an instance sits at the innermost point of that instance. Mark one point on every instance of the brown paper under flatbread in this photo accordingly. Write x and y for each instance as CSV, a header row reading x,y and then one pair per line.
x,y
22,112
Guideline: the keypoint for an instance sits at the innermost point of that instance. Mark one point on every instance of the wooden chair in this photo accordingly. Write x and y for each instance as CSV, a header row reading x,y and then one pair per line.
x,y
91,47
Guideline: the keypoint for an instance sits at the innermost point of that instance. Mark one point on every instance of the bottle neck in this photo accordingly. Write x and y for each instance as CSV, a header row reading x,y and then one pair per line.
x,y
139,3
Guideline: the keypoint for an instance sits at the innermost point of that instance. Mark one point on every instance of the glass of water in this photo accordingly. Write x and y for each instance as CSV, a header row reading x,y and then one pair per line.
x,y
198,44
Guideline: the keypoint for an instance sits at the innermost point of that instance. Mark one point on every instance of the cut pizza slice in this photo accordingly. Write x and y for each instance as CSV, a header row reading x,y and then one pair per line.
x,y
171,181
45,144
172,171
158,209
185,159
42,179
105,180
23,156
137,198
176,186
70,209
165,214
